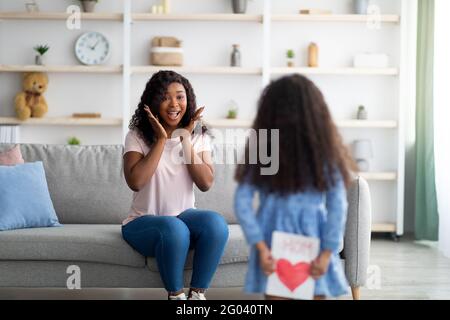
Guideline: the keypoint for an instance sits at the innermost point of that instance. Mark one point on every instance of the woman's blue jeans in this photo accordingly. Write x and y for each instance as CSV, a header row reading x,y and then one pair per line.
x,y
169,239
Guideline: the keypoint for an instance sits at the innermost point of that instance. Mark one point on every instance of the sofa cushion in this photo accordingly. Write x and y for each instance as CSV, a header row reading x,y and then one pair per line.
x,y
220,197
24,198
236,250
11,157
91,243
86,183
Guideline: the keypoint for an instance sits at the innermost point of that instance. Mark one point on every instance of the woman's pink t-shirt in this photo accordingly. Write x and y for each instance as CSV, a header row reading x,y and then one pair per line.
x,y
170,190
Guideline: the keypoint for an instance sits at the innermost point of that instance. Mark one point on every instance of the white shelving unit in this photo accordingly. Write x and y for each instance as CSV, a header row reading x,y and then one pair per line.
x,y
59,16
200,70
61,69
267,21
379,176
63,121
403,73
386,18
197,17
337,71
349,124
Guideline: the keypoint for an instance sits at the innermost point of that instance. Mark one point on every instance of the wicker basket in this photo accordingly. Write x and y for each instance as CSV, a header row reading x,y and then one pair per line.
x,y
166,51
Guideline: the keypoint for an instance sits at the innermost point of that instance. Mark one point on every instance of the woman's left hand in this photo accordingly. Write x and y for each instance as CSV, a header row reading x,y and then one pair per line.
x,y
320,265
197,116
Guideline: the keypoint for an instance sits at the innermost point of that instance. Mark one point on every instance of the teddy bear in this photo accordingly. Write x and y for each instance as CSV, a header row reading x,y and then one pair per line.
x,y
31,102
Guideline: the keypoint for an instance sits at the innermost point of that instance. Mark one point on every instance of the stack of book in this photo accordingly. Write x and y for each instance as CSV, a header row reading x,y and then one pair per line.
x,y
9,134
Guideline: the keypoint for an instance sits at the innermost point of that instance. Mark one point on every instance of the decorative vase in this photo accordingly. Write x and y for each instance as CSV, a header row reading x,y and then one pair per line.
x,y
39,60
239,6
362,152
363,165
32,6
362,113
166,6
313,55
235,56
88,5
360,6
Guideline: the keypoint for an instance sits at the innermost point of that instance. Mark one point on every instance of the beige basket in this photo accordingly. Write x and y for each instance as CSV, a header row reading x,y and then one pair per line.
x,y
164,56
166,51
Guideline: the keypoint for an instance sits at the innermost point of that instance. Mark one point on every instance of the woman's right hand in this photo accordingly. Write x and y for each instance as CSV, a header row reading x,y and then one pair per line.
x,y
159,130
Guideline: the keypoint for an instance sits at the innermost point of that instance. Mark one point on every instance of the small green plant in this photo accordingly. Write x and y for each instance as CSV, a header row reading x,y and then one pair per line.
x,y
232,114
73,141
232,110
290,53
41,49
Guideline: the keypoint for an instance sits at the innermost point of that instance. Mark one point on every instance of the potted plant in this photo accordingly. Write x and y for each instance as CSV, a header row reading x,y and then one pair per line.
x,y
239,6
88,5
41,50
73,141
232,114
290,57
232,110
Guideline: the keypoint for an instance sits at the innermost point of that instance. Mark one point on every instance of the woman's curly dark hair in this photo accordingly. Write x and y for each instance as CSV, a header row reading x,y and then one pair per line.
x,y
310,145
153,95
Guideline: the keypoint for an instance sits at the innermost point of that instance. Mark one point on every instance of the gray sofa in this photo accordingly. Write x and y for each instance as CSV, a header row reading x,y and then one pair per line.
x,y
91,199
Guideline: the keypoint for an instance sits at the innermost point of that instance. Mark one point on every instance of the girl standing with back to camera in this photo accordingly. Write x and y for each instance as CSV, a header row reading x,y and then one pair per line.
x,y
307,196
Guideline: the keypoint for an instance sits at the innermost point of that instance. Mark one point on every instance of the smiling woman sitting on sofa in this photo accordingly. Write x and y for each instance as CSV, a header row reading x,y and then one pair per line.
x,y
163,221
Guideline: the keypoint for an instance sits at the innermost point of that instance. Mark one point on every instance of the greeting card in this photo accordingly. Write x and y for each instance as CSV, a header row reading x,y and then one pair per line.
x,y
293,255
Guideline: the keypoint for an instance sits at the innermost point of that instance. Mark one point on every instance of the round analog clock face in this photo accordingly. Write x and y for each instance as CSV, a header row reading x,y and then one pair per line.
x,y
92,48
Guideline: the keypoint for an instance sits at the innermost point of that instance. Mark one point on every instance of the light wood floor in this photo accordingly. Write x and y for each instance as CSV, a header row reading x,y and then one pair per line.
x,y
408,270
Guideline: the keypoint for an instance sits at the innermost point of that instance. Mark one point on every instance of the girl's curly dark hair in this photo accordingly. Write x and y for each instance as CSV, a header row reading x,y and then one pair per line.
x,y
153,95
309,142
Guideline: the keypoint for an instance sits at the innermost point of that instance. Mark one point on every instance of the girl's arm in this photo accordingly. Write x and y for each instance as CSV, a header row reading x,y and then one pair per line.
x,y
336,203
138,169
243,208
199,165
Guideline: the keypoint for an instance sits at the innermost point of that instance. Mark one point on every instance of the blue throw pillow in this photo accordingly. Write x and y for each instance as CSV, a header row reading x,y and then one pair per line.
x,y
24,197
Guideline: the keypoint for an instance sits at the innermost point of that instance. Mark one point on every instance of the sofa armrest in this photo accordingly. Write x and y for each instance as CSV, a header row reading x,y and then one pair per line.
x,y
358,233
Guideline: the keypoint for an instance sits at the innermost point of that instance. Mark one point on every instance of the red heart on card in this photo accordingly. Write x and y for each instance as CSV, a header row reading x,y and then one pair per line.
x,y
292,276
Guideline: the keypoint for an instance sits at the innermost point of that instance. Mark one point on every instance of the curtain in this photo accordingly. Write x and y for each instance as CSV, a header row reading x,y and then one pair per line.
x,y
426,215
441,120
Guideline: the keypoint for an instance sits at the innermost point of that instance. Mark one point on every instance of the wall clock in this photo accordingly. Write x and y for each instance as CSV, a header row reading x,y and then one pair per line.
x,y
92,48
